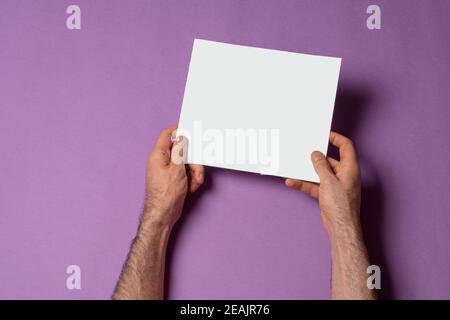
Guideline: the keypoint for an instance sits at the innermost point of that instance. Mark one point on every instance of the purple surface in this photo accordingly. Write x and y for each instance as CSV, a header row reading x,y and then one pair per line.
x,y
79,111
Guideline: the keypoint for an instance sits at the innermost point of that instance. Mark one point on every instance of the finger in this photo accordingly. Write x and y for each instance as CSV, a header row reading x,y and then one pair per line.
x,y
163,145
197,173
333,163
321,165
193,186
164,141
309,188
345,145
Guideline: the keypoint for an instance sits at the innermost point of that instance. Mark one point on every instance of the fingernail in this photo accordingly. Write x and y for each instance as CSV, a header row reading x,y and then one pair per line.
x,y
173,136
200,177
316,155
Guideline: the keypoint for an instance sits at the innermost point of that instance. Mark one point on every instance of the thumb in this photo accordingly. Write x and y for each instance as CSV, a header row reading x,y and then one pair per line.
x,y
321,164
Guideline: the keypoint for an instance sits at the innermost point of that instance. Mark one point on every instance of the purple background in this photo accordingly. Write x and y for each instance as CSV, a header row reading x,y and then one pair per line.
x,y
80,110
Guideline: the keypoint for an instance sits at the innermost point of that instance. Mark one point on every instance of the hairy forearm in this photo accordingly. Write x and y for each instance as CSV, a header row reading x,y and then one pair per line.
x,y
349,264
143,273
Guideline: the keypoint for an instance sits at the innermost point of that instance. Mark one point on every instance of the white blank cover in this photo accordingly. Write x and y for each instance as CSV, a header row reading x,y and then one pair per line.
x,y
281,99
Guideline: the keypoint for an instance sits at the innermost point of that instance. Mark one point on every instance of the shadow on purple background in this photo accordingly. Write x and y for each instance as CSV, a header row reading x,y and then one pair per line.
x,y
351,104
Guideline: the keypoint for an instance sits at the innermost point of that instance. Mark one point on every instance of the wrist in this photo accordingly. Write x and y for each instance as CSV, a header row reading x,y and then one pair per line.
x,y
348,229
155,221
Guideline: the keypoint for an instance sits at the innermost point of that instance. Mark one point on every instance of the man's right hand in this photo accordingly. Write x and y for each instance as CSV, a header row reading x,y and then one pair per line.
x,y
169,179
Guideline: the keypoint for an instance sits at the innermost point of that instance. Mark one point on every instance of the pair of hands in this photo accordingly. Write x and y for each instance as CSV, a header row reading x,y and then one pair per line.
x,y
339,192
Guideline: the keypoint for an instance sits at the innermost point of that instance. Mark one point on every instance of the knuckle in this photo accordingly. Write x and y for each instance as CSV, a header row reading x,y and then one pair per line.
x,y
347,141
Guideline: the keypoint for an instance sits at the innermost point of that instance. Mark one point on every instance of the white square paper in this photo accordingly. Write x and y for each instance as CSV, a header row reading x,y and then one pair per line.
x,y
258,110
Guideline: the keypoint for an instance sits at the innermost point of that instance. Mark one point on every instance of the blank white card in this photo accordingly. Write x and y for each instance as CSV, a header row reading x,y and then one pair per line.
x,y
258,110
